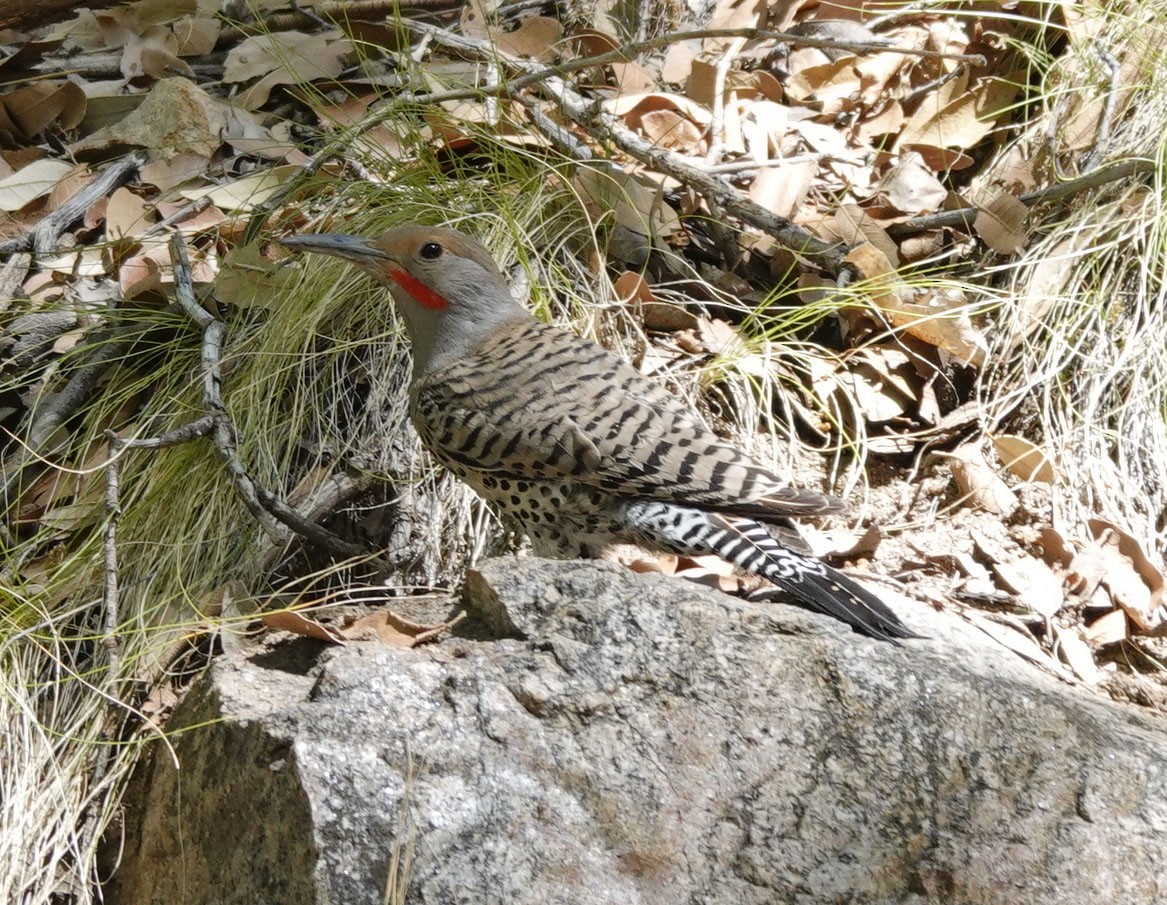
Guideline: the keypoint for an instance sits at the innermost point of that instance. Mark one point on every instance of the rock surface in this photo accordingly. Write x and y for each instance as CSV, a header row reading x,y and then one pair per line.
x,y
647,741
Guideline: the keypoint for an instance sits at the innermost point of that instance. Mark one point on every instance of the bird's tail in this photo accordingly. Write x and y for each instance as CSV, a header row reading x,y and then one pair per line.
x,y
813,584
810,581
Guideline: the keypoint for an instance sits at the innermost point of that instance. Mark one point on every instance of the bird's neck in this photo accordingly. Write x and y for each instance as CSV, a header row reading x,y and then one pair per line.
x,y
445,338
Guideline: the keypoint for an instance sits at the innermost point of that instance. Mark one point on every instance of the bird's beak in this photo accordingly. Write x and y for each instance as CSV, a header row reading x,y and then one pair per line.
x,y
350,248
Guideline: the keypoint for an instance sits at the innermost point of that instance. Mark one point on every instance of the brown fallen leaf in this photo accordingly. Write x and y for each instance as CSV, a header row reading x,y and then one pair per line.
x,y
911,186
978,483
244,194
1018,639
938,318
1023,458
1000,221
669,130
34,107
1076,654
299,624
1133,582
664,564
126,214
535,38
1056,551
1034,584
632,287
396,631
34,181
1131,548
958,116
636,202
783,189
1108,629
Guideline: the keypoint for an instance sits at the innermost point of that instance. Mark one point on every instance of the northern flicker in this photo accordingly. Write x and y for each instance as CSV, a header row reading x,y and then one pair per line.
x,y
571,442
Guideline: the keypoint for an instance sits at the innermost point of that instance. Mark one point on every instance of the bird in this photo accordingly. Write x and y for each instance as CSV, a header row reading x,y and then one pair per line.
x,y
568,440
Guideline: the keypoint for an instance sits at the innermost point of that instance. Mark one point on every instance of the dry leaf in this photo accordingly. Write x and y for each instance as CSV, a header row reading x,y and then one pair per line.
x,y
671,131
783,190
1034,584
249,279
396,631
940,160
822,84
638,205
69,186
978,483
285,58
31,182
144,272
297,624
941,322
243,195
912,187
633,106
1001,223
966,118
1077,655
883,381
678,62
632,287
1023,458
154,56
1131,548
32,108
1054,548
735,14
1019,640
1133,582
196,220
854,226
166,174
535,38
1108,629
887,121
665,564
126,214
196,35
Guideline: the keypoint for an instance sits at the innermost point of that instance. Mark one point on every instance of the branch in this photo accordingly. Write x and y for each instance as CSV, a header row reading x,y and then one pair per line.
x,y
605,127
44,237
266,507
537,73
963,218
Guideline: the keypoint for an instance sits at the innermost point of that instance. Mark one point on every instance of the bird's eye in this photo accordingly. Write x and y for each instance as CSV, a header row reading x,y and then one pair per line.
x,y
431,251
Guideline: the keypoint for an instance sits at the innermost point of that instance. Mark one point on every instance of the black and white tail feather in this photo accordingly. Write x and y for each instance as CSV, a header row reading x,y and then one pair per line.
x,y
750,546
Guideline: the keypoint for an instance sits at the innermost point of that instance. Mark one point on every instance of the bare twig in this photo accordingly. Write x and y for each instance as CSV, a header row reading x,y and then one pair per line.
x,y
606,128
1102,134
559,135
627,51
717,122
12,275
929,87
44,237
189,209
535,74
266,507
963,218
746,166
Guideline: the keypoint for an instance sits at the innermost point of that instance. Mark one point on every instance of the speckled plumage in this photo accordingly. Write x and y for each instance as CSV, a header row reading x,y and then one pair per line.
x,y
572,443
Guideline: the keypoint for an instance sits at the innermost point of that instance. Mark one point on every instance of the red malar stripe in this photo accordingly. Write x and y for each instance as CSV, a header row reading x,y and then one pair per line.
x,y
418,290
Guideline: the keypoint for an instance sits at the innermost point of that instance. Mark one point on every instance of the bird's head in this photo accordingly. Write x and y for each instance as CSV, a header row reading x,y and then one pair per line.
x,y
446,285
